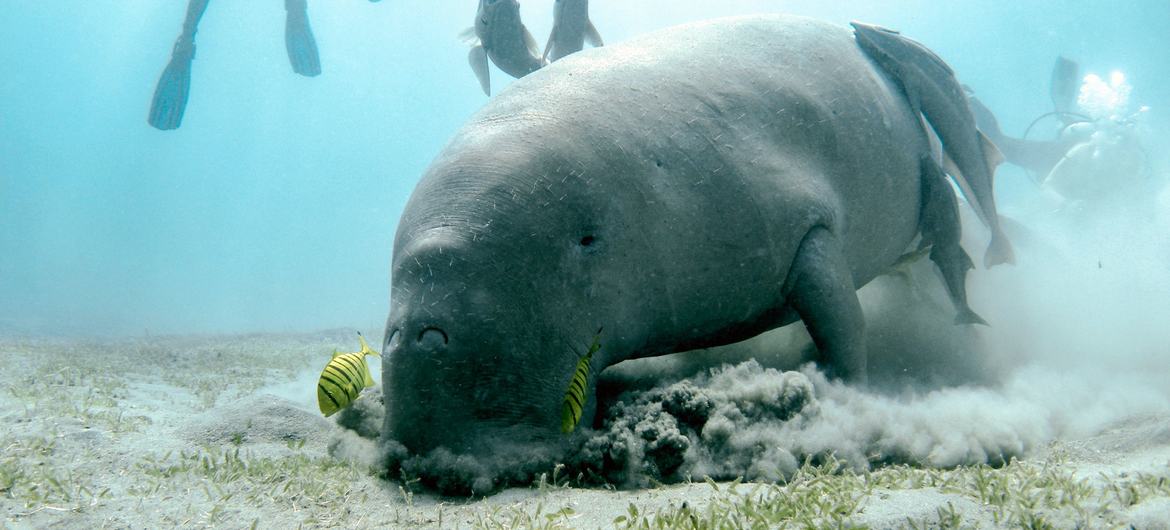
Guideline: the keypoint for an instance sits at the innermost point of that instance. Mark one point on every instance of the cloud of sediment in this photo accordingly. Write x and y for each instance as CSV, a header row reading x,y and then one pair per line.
x,y
1078,342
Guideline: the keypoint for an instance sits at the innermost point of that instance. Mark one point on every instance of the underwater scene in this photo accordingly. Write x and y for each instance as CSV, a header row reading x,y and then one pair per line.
x,y
572,264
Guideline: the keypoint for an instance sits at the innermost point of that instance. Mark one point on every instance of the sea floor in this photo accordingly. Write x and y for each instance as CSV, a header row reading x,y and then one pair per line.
x,y
223,432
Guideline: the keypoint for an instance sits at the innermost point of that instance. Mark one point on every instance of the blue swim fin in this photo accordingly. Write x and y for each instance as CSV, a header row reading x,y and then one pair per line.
x,y
298,39
174,85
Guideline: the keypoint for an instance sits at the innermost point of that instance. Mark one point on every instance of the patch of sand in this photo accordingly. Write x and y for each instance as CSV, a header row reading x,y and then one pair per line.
x,y
114,434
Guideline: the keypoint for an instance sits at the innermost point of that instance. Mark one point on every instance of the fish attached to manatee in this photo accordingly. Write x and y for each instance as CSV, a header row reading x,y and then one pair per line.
x,y
571,30
932,90
575,396
499,34
343,379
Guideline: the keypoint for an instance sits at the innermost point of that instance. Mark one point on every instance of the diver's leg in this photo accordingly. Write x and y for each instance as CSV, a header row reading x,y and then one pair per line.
x,y
174,84
299,41
820,289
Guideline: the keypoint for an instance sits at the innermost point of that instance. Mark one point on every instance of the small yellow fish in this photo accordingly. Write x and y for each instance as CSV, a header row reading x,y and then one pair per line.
x,y
574,402
343,379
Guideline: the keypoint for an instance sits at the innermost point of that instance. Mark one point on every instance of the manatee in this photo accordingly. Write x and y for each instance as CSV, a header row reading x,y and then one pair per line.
x,y
688,188
931,86
499,34
571,29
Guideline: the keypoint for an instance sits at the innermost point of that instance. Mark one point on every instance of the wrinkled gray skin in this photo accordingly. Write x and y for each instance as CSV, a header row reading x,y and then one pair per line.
x,y
934,91
571,29
688,188
505,40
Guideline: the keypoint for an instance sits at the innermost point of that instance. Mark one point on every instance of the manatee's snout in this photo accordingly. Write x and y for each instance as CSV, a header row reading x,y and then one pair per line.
x,y
429,338
461,363
449,386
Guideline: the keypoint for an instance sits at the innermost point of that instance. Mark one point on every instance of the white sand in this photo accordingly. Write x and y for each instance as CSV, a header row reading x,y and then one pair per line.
x,y
144,433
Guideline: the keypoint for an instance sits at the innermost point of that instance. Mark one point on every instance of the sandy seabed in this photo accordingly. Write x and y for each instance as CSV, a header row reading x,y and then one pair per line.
x,y
223,432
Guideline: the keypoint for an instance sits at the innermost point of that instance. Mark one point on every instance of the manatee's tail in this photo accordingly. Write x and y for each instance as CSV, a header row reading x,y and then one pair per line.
x,y
298,39
174,85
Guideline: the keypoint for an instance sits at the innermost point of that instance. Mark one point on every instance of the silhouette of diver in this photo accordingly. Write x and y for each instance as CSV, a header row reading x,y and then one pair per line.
x,y
174,85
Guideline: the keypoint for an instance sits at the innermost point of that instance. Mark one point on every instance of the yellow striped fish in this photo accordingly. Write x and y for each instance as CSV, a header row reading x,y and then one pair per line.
x,y
343,379
574,402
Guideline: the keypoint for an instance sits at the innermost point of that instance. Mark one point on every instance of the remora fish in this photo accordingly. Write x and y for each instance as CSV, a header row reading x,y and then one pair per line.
x,y
500,35
343,379
1037,156
932,89
571,30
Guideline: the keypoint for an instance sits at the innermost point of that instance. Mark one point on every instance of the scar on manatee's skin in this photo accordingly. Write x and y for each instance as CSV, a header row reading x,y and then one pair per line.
x,y
574,402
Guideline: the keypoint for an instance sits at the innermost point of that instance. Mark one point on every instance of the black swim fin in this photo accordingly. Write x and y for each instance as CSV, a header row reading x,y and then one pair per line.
x,y
174,85
299,41
1064,86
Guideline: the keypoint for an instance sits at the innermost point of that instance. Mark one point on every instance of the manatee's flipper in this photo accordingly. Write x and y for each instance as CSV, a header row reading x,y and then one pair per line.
x,y
592,36
299,41
174,85
820,289
1064,86
478,58
942,230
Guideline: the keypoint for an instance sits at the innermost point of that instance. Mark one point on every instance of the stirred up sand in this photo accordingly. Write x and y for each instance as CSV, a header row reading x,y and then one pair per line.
x,y
223,432
1055,416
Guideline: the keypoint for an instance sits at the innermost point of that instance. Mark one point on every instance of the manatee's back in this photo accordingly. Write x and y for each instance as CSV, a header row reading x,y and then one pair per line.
x,y
756,108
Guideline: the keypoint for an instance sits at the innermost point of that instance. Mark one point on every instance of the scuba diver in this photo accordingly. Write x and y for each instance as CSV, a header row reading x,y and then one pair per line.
x,y
1096,153
174,85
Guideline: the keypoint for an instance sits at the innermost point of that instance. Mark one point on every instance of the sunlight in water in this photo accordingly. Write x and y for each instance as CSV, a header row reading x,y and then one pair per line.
x,y
1101,99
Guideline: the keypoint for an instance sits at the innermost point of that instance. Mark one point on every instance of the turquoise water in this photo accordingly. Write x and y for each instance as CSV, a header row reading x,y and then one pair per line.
x,y
273,207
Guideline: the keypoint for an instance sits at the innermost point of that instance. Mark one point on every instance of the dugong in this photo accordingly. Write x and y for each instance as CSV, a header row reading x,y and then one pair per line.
x,y
688,188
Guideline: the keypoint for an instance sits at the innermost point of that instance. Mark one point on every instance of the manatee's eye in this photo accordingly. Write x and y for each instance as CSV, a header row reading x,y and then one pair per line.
x,y
589,244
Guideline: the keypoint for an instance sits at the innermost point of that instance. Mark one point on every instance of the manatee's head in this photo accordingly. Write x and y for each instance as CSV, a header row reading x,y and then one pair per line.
x,y
507,260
